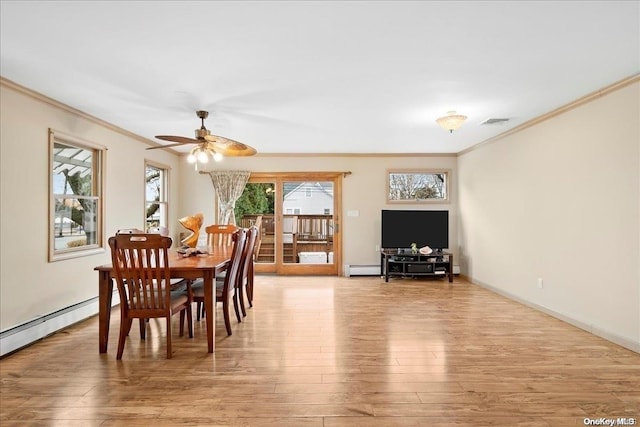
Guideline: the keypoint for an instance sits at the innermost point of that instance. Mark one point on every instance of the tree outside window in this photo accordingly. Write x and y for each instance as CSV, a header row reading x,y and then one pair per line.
x,y
76,195
156,204
417,186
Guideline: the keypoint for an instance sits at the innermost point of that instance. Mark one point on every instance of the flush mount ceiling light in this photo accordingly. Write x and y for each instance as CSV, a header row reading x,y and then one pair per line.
x,y
451,121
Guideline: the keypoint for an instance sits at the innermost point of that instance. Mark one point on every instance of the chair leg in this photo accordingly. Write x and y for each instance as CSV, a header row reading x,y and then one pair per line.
x,y
143,328
125,327
241,299
169,337
182,316
250,285
235,306
225,310
199,310
190,320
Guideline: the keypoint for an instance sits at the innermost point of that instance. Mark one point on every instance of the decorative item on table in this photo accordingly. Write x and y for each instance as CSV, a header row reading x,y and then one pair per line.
x,y
186,251
414,248
425,250
193,224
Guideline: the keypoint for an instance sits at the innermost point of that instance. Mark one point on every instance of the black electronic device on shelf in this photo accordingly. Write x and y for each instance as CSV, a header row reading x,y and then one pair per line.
x,y
416,265
401,228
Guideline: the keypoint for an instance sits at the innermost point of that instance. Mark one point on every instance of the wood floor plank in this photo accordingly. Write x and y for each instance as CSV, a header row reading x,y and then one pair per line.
x,y
332,352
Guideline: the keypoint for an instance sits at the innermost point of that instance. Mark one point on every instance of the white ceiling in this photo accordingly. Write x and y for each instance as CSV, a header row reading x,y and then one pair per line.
x,y
319,77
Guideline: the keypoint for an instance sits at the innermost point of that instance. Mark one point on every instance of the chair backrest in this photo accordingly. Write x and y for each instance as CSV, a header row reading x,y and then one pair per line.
x,y
258,221
239,239
247,257
220,234
141,266
258,225
130,231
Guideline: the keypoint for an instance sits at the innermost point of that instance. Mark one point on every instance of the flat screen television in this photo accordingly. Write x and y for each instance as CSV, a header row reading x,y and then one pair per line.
x,y
400,228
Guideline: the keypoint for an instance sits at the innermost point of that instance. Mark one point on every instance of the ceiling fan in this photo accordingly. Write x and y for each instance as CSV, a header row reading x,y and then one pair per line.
x,y
207,144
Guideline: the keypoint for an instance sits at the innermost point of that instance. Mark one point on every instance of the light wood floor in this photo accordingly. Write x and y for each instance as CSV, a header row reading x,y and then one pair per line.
x,y
333,352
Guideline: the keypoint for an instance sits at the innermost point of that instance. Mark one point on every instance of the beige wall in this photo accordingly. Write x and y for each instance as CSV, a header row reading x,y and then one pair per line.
x,y
30,286
43,288
363,190
560,201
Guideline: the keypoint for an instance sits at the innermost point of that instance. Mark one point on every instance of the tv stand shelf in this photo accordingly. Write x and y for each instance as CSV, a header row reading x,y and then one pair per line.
x,y
404,263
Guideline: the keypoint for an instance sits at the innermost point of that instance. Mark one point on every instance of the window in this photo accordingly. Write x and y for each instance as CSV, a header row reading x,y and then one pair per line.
x,y
76,207
417,186
155,207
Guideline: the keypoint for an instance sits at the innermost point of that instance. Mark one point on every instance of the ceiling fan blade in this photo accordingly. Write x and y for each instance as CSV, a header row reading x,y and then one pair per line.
x,y
222,145
229,147
165,146
235,151
178,139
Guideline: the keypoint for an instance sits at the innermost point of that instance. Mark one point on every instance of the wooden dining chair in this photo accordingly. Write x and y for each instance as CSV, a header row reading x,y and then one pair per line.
x,y
220,234
174,282
256,252
225,293
141,270
242,284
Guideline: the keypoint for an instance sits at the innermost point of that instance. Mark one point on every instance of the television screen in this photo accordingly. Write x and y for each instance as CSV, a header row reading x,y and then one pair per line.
x,y
400,228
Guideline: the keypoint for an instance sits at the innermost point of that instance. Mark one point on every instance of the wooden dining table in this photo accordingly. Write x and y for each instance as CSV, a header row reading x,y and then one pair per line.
x,y
203,266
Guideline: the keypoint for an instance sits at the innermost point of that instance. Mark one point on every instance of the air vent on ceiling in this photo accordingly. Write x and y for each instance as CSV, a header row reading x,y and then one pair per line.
x,y
494,121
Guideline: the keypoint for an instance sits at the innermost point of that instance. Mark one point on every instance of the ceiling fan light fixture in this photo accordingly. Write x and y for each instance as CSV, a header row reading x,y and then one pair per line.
x,y
191,158
207,145
203,156
451,121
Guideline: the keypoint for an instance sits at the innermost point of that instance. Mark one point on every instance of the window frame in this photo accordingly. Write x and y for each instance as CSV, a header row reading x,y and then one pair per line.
x,y
426,200
164,195
98,167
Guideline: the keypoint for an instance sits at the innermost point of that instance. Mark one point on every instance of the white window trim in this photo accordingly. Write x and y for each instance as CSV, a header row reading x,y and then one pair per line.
x,y
164,202
428,171
99,181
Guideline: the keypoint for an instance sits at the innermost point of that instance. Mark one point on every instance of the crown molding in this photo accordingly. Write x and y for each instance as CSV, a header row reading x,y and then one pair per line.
x,y
4,82
561,110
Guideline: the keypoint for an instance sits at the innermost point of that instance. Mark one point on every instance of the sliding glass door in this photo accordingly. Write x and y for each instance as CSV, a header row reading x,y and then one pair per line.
x,y
299,218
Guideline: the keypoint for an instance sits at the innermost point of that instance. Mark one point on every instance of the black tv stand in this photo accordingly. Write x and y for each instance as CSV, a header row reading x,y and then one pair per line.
x,y
405,263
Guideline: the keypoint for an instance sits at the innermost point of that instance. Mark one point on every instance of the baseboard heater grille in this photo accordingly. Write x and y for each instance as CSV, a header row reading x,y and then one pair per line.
x,y
27,333
361,270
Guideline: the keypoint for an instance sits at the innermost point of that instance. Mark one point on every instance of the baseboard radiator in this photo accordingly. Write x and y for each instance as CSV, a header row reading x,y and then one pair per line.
x,y
361,270
34,330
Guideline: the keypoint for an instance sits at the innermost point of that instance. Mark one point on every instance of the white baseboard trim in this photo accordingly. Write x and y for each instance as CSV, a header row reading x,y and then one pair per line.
x,y
609,336
27,333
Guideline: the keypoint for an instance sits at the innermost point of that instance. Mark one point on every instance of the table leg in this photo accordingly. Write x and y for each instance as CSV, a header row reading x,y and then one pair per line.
x,y
210,309
105,293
